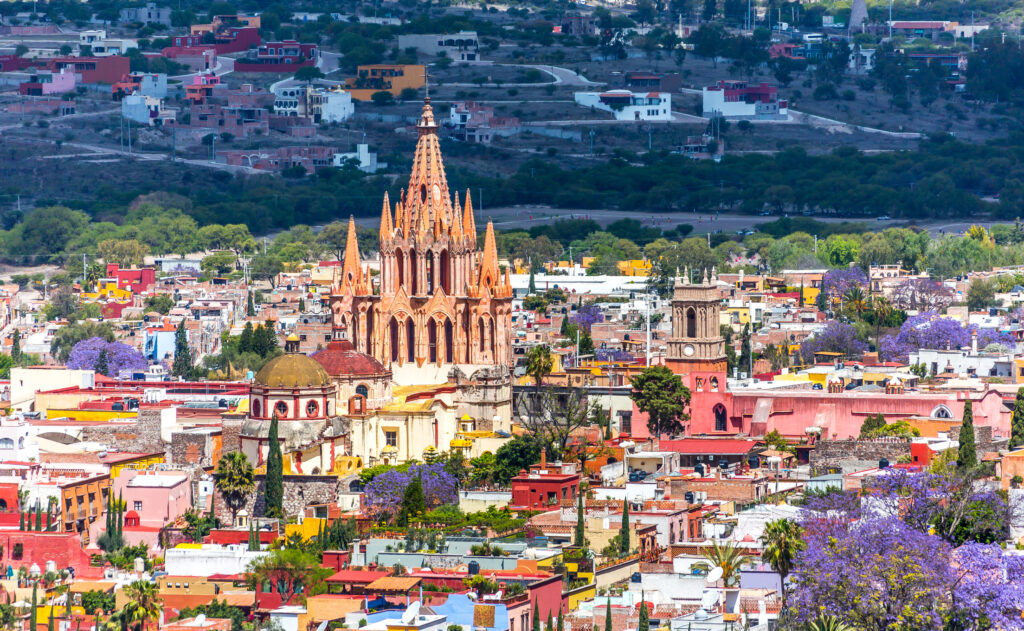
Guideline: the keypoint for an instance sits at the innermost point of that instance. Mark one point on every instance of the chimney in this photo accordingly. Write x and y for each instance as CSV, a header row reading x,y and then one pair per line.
x,y
543,459
974,342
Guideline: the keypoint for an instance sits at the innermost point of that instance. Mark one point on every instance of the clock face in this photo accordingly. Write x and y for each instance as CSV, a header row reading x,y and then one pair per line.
x,y
688,350
436,192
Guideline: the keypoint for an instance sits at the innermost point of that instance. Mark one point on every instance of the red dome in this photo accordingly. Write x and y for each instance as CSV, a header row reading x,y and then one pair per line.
x,y
341,359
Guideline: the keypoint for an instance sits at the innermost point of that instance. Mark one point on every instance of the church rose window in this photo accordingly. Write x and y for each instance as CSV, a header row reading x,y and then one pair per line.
x,y
281,408
312,408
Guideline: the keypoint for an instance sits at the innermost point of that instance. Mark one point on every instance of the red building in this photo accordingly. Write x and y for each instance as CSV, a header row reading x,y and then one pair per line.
x,y
92,69
135,280
236,39
286,56
11,63
22,548
545,486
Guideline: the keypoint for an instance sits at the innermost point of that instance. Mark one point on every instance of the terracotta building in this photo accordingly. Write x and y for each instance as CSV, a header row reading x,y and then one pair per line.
x,y
440,301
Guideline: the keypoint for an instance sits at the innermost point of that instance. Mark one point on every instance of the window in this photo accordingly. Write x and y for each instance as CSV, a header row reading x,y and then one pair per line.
x,y
256,408
6,443
312,408
281,408
138,505
391,438
18,551
363,391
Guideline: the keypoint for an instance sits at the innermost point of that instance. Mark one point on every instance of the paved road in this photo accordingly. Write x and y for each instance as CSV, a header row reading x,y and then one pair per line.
x,y
560,76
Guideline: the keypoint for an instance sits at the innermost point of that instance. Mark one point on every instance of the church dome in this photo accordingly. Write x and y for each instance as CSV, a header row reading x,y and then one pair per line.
x,y
292,370
341,359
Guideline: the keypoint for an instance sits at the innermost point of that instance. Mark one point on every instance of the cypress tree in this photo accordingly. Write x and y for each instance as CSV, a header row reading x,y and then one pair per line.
x,y
548,627
624,529
16,347
561,623
608,616
182,366
1017,423
39,517
580,538
245,340
967,455
414,502
49,620
532,289
645,623
254,540
536,617
67,605
274,492
250,308
35,606
102,363
119,525
302,305
800,298
21,521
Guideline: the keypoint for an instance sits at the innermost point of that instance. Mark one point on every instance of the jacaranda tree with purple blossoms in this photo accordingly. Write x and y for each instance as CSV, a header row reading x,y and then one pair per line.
x,y
836,337
891,558
933,331
88,355
837,282
587,316
383,495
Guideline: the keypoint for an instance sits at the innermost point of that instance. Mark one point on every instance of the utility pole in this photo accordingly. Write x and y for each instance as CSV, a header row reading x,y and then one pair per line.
x,y
174,142
213,148
890,20
647,363
83,271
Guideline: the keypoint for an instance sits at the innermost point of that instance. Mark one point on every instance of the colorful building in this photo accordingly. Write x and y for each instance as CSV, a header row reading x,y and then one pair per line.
x,y
392,78
545,486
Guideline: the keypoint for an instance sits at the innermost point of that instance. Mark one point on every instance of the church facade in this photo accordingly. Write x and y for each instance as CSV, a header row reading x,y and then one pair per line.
x,y
439,301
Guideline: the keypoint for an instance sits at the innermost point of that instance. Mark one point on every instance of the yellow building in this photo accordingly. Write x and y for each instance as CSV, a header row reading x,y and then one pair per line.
x,y
635,267
120,461
392,78
108,290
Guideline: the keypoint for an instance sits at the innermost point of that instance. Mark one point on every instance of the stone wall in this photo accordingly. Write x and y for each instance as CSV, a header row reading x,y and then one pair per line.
x,y
846,456
191,448
142,436
299,492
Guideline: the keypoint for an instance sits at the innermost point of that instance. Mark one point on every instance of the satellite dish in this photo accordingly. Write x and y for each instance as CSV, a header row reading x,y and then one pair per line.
x,y
714,575
708,600
410,614
322,626
200,619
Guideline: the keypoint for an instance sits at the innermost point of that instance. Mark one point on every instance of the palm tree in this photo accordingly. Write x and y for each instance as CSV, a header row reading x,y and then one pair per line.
x,y
234,479
729,558
782,542
856,300
882,310
828,623
144,604
539,363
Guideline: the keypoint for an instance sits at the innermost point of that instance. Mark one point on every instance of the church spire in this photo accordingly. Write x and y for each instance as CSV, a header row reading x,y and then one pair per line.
x,y
457,219
489,260
468,221
351,269
386,228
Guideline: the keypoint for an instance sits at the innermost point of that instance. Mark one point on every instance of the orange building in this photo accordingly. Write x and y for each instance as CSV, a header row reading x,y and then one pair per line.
x,y
439,300
83,501
391,78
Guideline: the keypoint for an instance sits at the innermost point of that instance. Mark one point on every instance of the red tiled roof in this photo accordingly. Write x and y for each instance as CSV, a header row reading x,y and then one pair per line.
x,y
357,576
719,446
341,358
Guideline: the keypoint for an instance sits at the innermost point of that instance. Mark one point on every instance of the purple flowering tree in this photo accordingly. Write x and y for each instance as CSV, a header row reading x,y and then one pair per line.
x,y
383,495
836,337
922,294
587,316
837,282
933,331
91,353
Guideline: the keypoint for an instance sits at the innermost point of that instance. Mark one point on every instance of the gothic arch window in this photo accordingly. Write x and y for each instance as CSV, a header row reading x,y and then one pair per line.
x,y
446,281
493,340
700,384
414,274
400,263
720,418
481,335
449,342
363,391
410,340
430,272
714,384
257,408
369,332
941,411
394,339
423,193
432,340
691,322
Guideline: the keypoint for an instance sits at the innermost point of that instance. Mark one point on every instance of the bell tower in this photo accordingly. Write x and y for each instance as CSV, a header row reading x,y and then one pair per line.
x,y
696,348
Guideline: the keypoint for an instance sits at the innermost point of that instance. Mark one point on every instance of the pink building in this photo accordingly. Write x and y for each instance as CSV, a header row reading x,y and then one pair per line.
x,y
286,56
152,499
47,83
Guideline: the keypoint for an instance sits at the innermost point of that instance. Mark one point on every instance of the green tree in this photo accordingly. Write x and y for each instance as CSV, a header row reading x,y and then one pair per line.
x,y
644,624
981,294
532,288
414,503
182,366
1017,421
274,491
95,599
254,540
536,616
67,336
624,529
967,455
250,308
662,395
872,424
103,363
782,542
234,480
308,74
39,517
16,347
539,363
729,558
608,615
144,604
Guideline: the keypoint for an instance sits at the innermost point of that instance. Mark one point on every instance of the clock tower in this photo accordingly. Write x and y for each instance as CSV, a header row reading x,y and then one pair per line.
x,y
696,349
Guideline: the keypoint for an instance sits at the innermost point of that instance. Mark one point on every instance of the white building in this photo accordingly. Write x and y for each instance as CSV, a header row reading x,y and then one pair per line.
x,y
738,100
461,46
322,104
629,106
366,160
210,559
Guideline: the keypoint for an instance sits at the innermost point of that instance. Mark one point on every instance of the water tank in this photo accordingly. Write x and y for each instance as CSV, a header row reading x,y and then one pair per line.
x,y
699,469
688,496
473,568
883,463
635,577
723,464
117,407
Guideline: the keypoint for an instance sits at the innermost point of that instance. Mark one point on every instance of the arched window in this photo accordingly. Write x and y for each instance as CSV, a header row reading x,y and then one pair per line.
x,y
714,384
400,263
369,332
493,340
21,443
257,408
446,282
281,408
720,419
449,342
6,443
414,273
430,272
312,408
410,341
432,340
394,339
481,336
363,391
940,411
700,384
691,322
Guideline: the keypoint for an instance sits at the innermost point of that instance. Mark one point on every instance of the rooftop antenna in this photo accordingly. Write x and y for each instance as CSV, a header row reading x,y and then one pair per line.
x,y
426,82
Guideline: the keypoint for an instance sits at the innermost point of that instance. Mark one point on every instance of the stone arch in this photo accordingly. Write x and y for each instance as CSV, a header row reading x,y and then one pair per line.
x,y
691,322
941,411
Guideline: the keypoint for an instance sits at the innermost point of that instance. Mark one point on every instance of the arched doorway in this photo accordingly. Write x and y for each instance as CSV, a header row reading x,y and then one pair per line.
x,y
720,418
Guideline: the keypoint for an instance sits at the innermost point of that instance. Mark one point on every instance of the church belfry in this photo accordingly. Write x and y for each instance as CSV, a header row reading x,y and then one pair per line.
x,y
696,348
